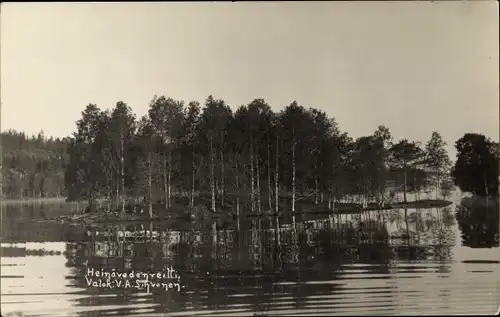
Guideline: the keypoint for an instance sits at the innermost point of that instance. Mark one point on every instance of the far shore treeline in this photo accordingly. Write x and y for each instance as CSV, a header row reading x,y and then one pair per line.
x,y
252,157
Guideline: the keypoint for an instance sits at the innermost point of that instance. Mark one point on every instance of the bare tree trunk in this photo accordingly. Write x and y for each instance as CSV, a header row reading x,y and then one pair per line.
x,y
109,197
334,196
252,190
193,176
405,186
117,192
216,179
437,186
276,193
259,209
91,199
407,227
122,160
238,191
276,176
293,178
316,190
486,190
222,177
165,185
150,189
415,187
214,233
278,237
212,174
269,177
222,180
169,193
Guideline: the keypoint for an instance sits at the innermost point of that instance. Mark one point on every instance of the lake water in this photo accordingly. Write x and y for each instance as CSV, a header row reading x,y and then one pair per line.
x,y
391,262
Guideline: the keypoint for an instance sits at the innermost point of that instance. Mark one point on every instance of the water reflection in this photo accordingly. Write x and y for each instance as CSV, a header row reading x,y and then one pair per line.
x,y
478,222
390,262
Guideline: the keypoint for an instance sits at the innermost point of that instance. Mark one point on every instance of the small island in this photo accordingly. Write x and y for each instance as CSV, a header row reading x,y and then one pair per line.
x,y
228,216
187,163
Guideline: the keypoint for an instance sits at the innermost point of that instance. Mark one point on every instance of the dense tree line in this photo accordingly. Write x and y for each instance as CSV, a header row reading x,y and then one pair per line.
x,y
32,166
252,157
477,164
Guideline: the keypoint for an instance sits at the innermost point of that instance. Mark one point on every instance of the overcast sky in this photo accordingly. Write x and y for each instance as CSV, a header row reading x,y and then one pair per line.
x,y
415,67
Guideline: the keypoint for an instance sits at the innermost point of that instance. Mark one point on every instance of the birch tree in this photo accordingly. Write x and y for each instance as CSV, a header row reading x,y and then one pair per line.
x,y
214,119
190,145
437,159
406,155
293,119
120,132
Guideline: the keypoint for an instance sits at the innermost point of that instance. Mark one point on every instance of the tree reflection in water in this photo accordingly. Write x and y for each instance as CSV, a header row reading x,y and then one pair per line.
x,y
320,262
478,222
249,262
249,267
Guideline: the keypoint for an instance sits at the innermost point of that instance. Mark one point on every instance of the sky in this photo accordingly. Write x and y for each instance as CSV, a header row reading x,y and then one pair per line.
x,y
415,67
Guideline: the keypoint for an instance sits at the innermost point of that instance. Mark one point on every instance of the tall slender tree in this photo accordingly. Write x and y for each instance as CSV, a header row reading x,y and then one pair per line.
x,y
120,133
190,145
83,177
406,155
437,159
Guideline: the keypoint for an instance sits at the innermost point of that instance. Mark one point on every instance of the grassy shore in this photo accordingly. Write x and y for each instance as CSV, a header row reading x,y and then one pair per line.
x,y
31,201
43,200
226,217
420,204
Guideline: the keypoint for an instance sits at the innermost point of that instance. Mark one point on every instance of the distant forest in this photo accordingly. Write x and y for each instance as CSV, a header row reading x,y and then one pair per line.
x,y
32,166
253,156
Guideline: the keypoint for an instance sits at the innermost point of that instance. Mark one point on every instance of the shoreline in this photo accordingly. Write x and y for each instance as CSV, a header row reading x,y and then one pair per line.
x,y
42,200
228,217
27,201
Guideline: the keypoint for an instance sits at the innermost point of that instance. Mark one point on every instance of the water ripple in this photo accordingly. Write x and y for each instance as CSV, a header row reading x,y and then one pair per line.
x,y
313,271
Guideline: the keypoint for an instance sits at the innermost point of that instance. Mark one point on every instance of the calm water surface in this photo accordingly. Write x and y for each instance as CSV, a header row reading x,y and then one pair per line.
x,y
435,261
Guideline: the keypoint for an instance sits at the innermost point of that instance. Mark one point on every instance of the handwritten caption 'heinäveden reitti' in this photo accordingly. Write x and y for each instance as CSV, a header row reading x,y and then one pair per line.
x,y
168,279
